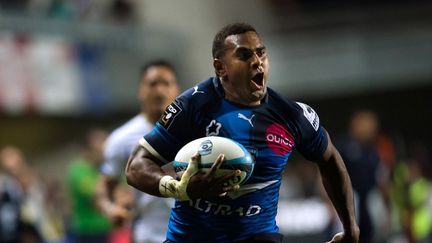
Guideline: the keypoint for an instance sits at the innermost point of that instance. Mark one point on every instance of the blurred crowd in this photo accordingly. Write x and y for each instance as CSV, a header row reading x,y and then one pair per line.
x,y
115,11
37,209
31,208
392,180
392,185
393,193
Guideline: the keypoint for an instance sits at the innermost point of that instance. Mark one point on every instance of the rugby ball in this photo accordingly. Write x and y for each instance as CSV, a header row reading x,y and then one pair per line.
x,y
236,157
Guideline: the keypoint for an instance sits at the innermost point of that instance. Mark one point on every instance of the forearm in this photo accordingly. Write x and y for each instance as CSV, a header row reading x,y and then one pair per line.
x,y
338,187
142,173
104,190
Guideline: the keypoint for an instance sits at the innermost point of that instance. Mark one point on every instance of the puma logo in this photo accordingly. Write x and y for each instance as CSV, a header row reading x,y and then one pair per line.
x,y
197,91
241,116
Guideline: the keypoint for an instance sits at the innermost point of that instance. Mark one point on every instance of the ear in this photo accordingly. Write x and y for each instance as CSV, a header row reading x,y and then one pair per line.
x,y
219,67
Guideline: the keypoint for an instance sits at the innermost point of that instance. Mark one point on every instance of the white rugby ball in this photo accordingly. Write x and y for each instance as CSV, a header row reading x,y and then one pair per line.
x,y
236,157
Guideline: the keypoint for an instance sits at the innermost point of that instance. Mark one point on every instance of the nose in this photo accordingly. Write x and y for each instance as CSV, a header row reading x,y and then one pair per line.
x,y
160,89
256,61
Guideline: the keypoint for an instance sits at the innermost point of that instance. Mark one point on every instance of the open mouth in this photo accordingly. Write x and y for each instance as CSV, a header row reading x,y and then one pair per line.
x,y
258,79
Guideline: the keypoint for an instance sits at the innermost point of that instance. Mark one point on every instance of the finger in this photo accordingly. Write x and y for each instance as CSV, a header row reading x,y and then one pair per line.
x,y
193,162
217,164
231,188
226,178
228,189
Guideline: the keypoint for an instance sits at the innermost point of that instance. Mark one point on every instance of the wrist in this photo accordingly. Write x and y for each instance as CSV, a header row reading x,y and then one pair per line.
x,y
170,187
352,231
107,207
166,187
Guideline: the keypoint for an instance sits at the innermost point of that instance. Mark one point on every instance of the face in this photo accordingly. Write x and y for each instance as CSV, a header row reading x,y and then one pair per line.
x,y
364,126
243,69
12,160
157,90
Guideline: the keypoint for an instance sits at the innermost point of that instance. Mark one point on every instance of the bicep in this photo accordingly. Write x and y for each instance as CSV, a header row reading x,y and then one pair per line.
x,y
331,160
330,151
142,157
143,171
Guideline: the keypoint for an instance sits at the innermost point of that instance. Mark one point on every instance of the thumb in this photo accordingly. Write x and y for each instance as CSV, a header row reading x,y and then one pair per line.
x,y
191,170
193,163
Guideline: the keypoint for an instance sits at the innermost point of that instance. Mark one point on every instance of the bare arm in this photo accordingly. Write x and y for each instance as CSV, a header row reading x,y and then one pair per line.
x,y
142,171
104,189
104,200
337,184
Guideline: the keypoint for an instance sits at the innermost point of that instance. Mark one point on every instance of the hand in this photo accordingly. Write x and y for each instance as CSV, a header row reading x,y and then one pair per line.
x,y
344,238
198,184
117,214
206,185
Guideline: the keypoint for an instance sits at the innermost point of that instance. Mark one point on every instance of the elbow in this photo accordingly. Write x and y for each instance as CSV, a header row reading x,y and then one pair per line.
x,y
129,179
130,172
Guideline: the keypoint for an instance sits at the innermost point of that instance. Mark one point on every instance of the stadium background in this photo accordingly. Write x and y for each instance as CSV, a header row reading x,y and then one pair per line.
x,y
69,65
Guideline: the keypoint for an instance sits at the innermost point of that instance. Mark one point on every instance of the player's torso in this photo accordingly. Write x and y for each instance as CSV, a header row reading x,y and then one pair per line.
x,y
269,138
264,133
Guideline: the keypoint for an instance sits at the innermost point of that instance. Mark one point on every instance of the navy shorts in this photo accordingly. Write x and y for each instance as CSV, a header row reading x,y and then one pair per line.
x,y
260,238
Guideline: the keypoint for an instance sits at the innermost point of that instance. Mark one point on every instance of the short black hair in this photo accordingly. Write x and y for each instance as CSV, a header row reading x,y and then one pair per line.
x,y
157,63
232,29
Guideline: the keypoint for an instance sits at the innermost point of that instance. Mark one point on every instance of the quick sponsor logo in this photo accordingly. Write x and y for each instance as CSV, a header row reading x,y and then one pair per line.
x,y
278,139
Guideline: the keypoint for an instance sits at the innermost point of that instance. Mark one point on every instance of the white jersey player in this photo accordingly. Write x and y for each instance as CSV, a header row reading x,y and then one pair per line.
x,y
158,87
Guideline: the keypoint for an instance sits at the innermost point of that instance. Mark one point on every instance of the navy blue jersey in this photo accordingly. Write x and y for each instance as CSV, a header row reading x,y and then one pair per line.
x,y
270,131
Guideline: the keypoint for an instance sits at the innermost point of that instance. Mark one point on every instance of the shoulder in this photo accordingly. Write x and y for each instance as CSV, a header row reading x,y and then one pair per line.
x,y
193,101
131,130
287,106
298,112
200,94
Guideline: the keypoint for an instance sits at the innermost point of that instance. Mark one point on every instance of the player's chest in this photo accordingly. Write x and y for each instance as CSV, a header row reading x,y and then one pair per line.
x,y
260,129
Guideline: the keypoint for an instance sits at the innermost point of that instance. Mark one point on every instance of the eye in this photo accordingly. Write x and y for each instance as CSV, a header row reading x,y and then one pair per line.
x,y
244,54
261,52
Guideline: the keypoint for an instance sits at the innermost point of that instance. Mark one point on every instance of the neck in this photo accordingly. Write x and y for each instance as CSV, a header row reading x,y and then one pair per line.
x,y
233,97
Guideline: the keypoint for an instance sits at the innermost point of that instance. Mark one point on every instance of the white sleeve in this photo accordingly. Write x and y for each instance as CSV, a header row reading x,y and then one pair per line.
x,y
115,158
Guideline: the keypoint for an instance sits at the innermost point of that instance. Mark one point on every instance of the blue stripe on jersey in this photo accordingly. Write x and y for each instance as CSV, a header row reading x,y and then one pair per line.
x,y
159,137
235,121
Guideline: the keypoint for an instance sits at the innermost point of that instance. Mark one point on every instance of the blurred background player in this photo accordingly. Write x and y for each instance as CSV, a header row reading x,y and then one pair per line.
x,y
25,210
88,224
366,166
11,198
157,89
